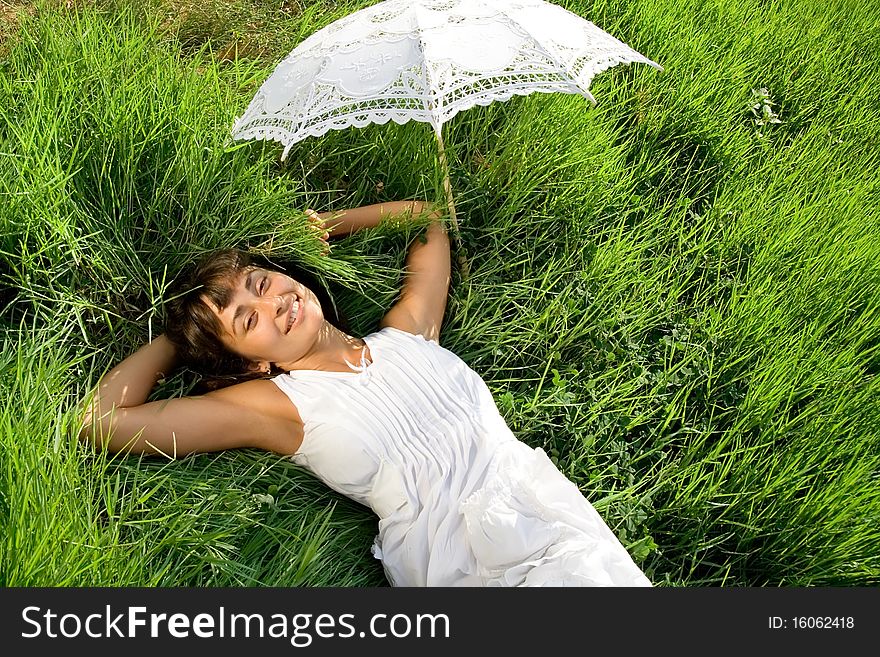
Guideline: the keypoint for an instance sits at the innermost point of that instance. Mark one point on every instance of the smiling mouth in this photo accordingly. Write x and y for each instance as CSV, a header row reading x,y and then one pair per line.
x,y
294,313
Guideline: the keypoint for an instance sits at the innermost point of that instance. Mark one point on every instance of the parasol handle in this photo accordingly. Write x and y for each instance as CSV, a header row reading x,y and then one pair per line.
x,y
450,202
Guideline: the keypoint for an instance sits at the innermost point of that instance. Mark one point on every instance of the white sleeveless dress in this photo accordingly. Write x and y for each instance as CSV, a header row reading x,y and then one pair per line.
x,y
417,437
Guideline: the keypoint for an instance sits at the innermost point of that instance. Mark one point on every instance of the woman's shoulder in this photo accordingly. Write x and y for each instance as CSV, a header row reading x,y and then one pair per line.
x,y
261,396
261,402
392,331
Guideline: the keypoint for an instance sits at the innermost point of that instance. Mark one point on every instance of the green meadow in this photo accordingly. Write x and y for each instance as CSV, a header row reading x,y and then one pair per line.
x,y
676,293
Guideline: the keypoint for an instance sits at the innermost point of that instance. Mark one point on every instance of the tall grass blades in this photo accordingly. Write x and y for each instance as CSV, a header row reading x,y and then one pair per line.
x,y
674,293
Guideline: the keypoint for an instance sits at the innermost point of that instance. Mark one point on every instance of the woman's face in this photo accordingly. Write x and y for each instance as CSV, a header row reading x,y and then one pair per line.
x,y
271,318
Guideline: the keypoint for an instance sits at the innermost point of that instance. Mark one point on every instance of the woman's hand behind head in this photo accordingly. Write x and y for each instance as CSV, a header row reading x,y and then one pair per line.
x,y
317,224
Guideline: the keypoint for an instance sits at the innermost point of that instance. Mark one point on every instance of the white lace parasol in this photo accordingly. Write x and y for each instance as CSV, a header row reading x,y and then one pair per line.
x,y
427,60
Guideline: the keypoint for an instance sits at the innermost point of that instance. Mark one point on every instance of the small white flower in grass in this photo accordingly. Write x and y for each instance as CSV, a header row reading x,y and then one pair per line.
x,y
762,109
262,498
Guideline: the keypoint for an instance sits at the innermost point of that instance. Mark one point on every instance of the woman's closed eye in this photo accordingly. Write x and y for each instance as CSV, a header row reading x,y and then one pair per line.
x,y
251,320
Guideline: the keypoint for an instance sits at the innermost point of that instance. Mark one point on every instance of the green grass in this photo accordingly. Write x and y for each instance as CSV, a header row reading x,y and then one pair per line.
x,y
679,305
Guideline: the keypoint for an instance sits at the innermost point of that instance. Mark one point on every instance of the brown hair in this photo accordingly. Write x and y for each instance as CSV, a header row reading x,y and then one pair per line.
x,y
194,328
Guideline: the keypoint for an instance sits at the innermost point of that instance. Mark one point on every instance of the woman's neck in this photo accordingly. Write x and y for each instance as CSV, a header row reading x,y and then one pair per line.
x,y
331,350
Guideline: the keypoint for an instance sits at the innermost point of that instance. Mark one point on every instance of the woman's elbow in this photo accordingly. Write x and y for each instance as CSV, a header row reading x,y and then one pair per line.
x,y
88,413
435,210
96,426
92,434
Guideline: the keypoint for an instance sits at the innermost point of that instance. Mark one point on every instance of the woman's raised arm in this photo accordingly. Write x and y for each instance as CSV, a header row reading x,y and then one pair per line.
x,y
251,414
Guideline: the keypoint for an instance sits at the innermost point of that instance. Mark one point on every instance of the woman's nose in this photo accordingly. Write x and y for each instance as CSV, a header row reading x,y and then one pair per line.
x,y
273,303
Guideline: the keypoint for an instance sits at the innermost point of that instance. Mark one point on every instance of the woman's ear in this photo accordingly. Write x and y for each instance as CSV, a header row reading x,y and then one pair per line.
x,y
263,366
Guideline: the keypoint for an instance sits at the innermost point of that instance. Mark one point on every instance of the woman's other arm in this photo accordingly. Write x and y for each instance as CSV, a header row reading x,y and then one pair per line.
x,y
422,302
344,222
425,289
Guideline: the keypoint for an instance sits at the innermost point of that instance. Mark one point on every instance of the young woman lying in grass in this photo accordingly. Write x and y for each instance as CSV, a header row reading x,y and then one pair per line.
x,y
392,419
